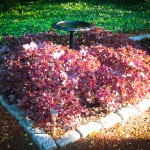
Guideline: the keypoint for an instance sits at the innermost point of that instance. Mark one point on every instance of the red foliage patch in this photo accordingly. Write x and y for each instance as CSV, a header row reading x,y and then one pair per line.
x,y
106,70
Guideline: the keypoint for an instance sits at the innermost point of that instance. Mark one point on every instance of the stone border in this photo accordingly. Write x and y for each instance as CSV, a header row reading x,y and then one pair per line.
x,y
39,136
139,37
45,142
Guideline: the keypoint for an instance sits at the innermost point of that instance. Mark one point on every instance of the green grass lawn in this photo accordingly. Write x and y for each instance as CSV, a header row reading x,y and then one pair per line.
x,y
38,16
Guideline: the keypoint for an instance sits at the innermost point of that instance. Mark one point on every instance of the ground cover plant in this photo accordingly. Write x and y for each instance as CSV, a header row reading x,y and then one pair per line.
x,y
34,16
105,72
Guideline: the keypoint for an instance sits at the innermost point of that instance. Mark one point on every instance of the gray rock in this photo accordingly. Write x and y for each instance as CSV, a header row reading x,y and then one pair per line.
x,y
32,131
4,103
90,127
1,97
4,49
140,37
126,112
16,112
49,145
26,123
38,131
12,108
29,130
44,141
67,138
143,105
19,114
110,120
11,97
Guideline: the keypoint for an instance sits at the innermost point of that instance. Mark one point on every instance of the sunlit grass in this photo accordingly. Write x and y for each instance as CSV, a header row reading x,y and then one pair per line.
x,y
38,17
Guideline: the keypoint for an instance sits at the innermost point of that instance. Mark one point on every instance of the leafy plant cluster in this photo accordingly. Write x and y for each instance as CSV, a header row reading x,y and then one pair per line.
x,y
106,70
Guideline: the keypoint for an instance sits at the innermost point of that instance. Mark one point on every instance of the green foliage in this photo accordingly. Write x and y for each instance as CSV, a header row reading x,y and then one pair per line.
x,y
33,16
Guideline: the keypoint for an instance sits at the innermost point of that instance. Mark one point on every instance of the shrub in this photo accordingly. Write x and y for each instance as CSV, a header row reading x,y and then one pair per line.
x,y
107,70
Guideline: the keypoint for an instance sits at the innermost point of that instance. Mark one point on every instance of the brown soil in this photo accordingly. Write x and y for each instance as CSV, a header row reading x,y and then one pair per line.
x,y
135,134
12,135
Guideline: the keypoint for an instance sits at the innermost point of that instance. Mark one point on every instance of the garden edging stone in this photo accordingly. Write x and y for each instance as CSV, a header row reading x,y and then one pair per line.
x,y
110,120
16,112
45,142
140,37
126,112
67,138
144,105
90,127
39,136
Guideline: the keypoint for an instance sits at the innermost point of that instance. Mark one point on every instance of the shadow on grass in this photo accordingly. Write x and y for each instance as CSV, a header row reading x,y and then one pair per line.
x,y
133,5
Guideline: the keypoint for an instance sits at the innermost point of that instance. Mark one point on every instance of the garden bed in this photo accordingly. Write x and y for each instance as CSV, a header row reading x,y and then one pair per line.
x,y
104,73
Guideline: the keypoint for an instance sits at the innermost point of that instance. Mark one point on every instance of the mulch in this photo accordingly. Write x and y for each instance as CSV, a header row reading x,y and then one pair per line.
x,y
12,135
135,134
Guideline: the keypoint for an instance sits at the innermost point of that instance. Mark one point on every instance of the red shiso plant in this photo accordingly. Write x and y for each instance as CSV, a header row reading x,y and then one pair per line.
x,y
40,73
